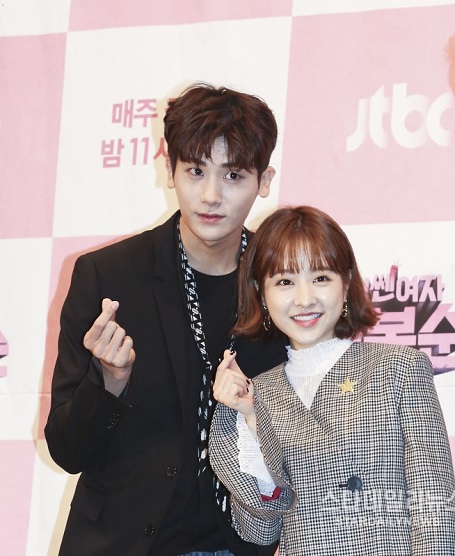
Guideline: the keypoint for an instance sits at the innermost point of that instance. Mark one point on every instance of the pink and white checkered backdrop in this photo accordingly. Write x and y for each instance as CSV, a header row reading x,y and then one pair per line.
x,y
364,97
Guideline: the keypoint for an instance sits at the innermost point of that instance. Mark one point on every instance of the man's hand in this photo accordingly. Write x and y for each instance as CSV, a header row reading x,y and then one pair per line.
x,y
109,343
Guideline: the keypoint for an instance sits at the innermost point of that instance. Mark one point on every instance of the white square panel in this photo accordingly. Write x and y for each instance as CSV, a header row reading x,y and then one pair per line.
x,y
106,69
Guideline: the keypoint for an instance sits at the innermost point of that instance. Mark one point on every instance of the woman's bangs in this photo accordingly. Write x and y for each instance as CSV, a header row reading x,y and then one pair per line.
x,y
297,255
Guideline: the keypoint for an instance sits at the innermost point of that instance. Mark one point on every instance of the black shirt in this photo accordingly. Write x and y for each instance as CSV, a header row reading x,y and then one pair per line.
x,y
192,521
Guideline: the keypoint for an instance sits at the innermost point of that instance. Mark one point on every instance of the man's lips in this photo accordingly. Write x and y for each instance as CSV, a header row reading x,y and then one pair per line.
x,y
210,218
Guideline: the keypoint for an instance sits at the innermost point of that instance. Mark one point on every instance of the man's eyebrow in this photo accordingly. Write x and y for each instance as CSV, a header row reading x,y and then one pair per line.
x,y
225,165
233,167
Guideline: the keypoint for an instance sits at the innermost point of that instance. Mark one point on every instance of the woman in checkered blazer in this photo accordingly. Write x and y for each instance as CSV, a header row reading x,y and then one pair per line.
x,y
342,449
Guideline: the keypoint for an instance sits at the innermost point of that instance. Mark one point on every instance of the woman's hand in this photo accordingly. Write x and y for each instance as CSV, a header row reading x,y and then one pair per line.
x,y
232,388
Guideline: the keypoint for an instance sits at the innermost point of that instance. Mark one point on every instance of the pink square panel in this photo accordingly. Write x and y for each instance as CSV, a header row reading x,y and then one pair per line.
x,y
370,116
17,461
118,13
30,106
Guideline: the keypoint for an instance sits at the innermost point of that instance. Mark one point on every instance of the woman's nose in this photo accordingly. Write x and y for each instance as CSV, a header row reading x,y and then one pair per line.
x,y
304,296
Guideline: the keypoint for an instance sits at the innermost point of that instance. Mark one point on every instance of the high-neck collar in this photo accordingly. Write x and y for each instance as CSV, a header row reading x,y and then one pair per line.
x,y
317,359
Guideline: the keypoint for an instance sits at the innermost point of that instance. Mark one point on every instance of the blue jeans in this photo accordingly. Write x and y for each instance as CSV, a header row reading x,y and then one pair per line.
x,y
217,553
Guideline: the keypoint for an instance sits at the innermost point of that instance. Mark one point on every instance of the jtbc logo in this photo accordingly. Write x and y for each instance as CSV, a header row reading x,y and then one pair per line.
x,y
371,119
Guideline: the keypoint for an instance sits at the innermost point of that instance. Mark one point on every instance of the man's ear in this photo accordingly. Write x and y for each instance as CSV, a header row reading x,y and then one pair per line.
x,y
266,179
170,177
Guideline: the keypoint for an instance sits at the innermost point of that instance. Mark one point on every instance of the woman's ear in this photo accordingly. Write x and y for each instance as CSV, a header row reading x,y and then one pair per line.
x,y
348,283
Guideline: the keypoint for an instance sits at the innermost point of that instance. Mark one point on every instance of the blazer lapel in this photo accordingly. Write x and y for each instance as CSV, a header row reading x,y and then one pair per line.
x,y
338,402
169,294
336,394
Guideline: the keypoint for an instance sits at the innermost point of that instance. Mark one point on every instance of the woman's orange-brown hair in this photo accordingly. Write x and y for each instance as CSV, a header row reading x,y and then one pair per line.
x,y
292,238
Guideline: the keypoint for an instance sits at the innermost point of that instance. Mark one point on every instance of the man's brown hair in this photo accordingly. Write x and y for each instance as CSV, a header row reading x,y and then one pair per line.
x,y
203,113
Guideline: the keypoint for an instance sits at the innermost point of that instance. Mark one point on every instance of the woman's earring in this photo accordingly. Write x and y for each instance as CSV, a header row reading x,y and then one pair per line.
x,y
267,322
344,312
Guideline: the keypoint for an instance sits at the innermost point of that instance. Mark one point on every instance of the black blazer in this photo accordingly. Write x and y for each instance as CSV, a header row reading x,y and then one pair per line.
x,y
128,448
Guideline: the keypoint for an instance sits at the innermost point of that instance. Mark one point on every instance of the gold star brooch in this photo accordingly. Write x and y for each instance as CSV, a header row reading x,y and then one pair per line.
x,y
347,386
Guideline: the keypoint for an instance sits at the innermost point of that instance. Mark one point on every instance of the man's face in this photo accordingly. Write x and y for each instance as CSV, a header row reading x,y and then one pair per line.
x,y
215,199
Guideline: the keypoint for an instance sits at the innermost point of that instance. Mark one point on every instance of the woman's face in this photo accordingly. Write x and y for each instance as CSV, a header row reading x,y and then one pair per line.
x,y
305,305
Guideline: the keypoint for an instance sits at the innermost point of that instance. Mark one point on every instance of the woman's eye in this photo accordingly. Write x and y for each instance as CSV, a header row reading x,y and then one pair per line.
x,y
322,278
284,282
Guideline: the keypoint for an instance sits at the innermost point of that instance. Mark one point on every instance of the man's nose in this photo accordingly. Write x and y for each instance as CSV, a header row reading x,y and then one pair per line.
x,y
211,192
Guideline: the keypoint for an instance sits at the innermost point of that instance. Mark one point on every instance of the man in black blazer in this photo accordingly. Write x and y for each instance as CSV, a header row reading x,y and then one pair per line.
x,y
142,330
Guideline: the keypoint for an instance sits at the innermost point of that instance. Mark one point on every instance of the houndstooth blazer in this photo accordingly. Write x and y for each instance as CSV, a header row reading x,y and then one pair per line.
x,y
363,472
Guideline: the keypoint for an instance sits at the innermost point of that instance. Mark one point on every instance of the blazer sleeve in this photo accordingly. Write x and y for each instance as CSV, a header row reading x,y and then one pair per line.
x,y
254,520
83,415
428,462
